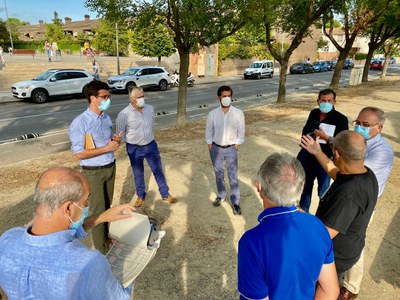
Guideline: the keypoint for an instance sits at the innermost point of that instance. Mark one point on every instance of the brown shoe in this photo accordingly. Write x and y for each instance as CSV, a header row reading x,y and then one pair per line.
x,y
170,199
138,202
345,294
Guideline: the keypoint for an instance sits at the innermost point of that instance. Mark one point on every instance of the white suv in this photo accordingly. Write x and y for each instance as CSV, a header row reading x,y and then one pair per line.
x,y
53,82
145,76
260,68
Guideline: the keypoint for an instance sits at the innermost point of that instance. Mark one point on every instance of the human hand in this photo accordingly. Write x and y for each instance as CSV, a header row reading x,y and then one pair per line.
x,y
237,146
209,146
117,136
321,133
113,145
308,143
115,213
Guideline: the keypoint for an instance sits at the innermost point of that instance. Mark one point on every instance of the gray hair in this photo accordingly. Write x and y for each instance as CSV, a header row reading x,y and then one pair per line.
x,y
350,148
135,89
378,112
282,178
52,192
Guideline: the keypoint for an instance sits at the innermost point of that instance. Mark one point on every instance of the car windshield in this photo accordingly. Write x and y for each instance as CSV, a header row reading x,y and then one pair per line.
x,y
255,65
131,71
297,65
317,63
45,75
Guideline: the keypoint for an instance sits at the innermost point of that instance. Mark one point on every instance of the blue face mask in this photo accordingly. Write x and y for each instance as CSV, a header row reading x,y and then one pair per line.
x,y
105,104
77,224
364,131
325,107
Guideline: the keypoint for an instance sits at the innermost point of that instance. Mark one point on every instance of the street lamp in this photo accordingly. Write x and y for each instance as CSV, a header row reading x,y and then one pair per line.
x,y
116,43
8,26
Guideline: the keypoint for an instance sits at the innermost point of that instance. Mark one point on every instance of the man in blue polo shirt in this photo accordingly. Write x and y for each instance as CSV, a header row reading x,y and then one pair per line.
x,y
289,255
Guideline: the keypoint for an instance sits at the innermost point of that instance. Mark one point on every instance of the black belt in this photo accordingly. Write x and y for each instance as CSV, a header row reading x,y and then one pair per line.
x,y
222,146
98,167
135,145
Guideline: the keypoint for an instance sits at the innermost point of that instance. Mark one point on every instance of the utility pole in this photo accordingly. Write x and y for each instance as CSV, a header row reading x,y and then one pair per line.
x,y
8,26
116,43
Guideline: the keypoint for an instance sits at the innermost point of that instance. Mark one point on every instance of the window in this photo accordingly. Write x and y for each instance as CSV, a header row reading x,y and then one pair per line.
x,y
155,71
73,75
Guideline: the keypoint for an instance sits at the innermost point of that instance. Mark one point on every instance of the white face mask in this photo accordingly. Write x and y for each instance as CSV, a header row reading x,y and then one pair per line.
x,y
140,102
226,101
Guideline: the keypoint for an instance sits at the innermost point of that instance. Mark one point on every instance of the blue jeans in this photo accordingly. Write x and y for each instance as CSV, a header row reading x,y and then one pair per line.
x,y
313,170
150,152
218,156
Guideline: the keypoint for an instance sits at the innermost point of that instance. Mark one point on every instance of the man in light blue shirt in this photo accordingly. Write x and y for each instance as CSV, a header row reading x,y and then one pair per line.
x,y
45,260
94,145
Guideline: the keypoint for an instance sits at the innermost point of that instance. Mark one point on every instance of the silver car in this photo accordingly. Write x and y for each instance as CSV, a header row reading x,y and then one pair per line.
x,y
144,76
53,82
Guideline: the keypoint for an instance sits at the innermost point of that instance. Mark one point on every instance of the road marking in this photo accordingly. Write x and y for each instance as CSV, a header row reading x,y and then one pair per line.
x,y
61,143
192,116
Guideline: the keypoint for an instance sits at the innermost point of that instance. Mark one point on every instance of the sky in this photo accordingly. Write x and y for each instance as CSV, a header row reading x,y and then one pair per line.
x,y
34,10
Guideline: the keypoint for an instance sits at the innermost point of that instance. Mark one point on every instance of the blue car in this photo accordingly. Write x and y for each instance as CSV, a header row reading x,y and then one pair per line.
x,y
320,66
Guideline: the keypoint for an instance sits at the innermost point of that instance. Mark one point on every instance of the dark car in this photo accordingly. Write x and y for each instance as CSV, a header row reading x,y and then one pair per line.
x,y
392,60
348,64
301,68
331,64
320,66
376,64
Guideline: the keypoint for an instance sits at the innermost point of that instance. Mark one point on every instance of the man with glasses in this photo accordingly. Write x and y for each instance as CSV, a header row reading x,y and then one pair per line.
x,y
136,122
94,145
323,117
379,158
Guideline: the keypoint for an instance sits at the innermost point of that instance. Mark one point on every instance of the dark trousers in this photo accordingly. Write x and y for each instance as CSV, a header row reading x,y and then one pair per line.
x,y
101,184
313,170
150,152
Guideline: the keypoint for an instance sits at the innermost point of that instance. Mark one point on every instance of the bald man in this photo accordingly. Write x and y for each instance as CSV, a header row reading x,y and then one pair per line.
x,y
347,206
46,260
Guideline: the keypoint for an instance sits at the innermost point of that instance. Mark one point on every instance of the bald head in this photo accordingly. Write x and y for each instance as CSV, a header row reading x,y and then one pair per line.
x,y
351,145
58,185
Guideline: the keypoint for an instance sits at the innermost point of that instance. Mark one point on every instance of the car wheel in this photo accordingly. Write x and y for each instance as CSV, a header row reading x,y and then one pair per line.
x,y
163,85
40,96
258,76
271,74
303,72
129,86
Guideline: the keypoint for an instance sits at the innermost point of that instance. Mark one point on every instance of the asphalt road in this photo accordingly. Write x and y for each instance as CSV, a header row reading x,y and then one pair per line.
x,y
51,120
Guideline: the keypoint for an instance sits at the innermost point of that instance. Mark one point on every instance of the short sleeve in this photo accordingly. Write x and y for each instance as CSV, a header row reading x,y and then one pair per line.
x,y
251,281
77,137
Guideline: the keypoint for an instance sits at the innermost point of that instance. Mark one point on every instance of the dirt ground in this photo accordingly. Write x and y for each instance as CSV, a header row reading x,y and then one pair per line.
x,y
197,257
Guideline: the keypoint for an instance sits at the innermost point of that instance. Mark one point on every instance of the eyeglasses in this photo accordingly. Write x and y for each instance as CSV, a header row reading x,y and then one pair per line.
x,y
104,96
363,124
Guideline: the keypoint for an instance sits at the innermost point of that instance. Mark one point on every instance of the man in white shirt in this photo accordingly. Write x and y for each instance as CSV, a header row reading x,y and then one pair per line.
x,y
224,134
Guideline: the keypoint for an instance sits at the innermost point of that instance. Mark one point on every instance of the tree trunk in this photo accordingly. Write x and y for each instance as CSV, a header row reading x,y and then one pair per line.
x,y
159,61
339,67
282,81
371,51
182,93
385,66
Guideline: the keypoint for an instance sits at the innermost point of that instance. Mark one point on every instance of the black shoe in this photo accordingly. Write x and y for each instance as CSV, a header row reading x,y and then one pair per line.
x,y
236,210
218,201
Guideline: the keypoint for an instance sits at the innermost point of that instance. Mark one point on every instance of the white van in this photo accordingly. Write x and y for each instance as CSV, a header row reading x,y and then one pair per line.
x,y
260,68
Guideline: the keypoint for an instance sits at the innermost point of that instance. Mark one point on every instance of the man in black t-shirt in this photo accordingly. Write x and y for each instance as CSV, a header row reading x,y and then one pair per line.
x,y
348,204
322,117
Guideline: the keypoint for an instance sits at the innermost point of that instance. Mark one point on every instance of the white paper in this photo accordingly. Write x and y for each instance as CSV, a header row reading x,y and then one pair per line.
x,y
329,130
130,254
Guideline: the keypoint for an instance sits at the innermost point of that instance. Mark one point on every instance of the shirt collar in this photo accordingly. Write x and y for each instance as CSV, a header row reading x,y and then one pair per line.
x,y
56,238
94,115
374,139
277,211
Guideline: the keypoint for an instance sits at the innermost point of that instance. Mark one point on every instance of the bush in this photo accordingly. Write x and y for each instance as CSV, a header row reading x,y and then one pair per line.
x,y
360,56
238,51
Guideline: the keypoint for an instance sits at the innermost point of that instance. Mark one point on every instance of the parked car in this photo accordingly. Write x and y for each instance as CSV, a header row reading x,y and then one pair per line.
x,y
53,82
260,68
348,64
144,76
301,68
376,64
320,66
392,60
331,64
